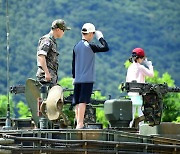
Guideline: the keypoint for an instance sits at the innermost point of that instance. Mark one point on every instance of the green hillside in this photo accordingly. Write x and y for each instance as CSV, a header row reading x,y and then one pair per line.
x,y
151,24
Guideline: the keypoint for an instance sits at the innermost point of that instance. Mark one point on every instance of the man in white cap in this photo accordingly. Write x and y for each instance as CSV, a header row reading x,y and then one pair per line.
x,y
83,69
47,54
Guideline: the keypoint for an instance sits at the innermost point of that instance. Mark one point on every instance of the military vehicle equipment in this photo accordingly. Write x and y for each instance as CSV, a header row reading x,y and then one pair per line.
x,y
152,98
27,137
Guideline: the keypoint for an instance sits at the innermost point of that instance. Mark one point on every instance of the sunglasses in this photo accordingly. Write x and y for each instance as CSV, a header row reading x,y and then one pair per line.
x,y
62,29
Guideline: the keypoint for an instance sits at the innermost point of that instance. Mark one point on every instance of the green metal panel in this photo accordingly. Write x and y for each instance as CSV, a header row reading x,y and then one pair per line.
x,y
32,93
118,112
118,109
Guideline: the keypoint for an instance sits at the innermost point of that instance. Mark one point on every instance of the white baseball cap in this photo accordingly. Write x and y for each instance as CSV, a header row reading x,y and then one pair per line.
x,y
87,28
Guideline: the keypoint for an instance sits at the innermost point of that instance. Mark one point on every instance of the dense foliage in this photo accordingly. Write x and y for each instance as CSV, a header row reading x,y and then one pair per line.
x,y
4,100
152,25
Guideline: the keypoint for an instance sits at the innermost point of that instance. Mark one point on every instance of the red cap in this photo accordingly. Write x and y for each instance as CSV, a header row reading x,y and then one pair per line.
x,y
139,52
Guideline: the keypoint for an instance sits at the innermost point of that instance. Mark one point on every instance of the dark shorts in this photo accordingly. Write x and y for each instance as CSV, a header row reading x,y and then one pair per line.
x,y
82,93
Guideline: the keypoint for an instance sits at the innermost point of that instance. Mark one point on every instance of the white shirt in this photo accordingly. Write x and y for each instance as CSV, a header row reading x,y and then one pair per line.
x,y
138,73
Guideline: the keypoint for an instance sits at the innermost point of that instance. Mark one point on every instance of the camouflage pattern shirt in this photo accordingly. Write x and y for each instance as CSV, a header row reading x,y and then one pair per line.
x,y
47,46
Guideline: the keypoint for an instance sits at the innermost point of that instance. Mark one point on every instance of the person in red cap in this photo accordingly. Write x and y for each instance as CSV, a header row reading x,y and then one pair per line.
x,y
137,72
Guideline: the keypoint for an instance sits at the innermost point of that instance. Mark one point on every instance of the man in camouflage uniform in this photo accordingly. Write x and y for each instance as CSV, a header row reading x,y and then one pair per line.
x,y
47,54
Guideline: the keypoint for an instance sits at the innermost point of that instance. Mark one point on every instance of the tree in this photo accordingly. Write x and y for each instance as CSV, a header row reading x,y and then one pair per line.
x,y
23,110
153,25
3,105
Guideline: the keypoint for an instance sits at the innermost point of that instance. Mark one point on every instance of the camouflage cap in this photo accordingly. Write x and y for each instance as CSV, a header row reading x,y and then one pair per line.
x,y
59,23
